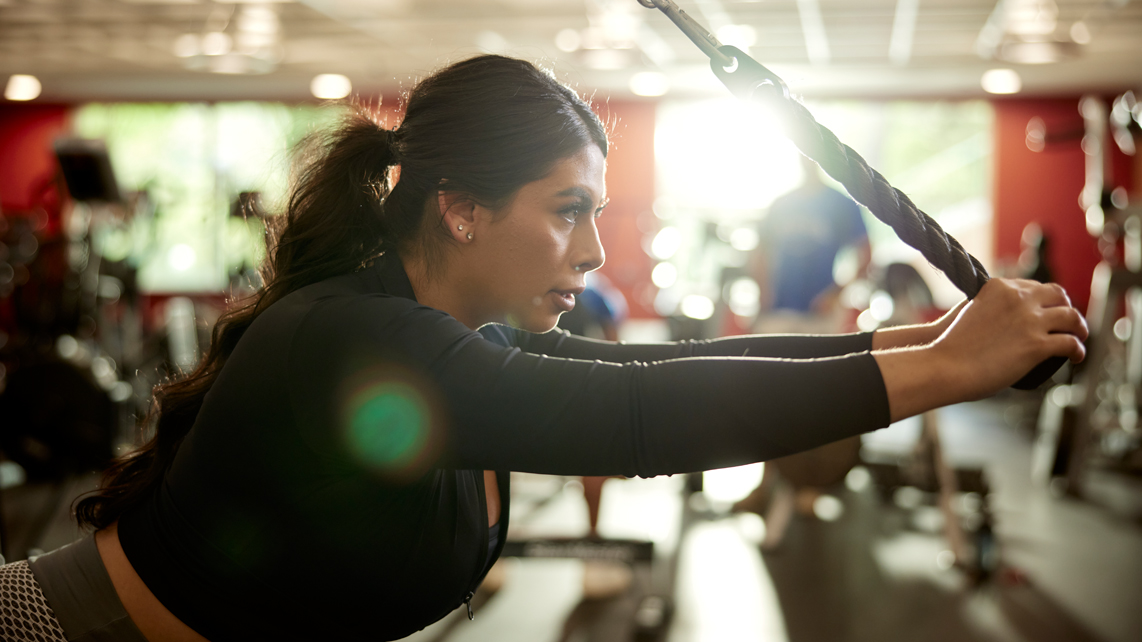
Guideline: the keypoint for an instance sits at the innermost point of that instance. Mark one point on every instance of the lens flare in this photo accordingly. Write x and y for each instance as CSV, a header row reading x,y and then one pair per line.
x,y
388,424
390,421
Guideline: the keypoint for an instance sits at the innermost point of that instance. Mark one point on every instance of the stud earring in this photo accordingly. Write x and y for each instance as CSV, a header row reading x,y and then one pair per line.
x,y
460,228
469,236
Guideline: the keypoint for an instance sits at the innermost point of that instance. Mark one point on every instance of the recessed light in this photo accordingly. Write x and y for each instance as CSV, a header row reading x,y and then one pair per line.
x,y
330,86
22,87
567,40
1001,81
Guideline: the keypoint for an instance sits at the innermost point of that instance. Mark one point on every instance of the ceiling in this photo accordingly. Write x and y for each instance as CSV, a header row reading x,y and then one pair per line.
x,y
157,49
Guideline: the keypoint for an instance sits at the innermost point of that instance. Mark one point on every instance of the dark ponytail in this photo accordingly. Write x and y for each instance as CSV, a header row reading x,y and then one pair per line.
x,y
483,127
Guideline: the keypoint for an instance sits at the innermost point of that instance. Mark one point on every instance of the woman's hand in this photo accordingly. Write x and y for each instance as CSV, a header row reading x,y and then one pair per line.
x,y
1009,328
987,344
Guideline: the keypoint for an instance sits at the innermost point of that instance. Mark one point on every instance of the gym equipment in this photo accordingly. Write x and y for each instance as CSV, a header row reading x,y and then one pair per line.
x,y
62,397
1099,408
87,170
749,80
925,467
646,607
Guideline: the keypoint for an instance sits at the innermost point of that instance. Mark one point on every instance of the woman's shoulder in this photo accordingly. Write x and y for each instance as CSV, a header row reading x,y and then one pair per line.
x,y
346,298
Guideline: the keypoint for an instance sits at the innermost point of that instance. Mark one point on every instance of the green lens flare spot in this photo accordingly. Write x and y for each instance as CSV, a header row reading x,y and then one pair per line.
x,y
387,425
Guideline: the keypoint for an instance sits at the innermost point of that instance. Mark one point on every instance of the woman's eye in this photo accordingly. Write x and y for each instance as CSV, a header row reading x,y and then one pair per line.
x,y
571,214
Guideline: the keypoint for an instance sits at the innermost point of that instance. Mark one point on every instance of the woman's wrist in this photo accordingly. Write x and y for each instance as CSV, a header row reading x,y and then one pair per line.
x,y
914,335
905,336
917,379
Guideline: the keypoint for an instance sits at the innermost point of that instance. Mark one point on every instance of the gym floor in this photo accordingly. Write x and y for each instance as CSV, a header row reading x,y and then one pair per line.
x,y
1074,568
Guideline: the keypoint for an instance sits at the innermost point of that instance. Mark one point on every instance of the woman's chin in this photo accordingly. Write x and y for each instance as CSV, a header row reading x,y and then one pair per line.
x,y
534,323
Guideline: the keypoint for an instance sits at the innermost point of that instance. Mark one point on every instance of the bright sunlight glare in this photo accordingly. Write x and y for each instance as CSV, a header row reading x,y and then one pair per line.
x,y
722,154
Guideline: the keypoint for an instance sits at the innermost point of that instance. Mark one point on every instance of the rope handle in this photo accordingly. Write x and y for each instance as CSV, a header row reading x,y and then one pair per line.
x,y
751,81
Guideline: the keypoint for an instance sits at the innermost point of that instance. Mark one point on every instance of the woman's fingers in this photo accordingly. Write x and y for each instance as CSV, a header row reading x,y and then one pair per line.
x,y
1067,320
1009,328
1048,294
1066,345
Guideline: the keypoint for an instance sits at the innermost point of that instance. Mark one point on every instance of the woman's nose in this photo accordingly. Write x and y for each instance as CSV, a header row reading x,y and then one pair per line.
x,y
589,254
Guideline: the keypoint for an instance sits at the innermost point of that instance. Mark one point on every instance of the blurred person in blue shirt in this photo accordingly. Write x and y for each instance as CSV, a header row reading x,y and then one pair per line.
x,y
801,237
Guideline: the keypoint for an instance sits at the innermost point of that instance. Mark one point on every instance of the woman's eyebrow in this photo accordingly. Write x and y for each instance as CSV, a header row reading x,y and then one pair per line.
x,y
577,192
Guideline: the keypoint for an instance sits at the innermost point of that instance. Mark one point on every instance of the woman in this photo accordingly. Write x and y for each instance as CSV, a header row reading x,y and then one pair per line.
x,y
337,468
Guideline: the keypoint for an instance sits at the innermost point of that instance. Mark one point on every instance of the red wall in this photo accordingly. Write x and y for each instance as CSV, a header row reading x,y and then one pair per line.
x,y
1043,187
630,187
27,162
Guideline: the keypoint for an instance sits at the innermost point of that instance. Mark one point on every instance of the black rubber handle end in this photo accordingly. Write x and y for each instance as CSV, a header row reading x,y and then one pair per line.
x,y
1039,374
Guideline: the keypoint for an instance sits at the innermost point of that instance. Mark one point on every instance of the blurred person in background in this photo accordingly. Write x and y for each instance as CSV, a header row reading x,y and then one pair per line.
x,y
801,238
337,466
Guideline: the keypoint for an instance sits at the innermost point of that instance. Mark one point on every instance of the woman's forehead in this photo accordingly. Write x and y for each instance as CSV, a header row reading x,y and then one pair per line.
x,y
582,175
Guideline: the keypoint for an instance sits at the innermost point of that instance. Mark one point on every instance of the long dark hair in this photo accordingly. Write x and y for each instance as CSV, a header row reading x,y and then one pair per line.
x,y
483,128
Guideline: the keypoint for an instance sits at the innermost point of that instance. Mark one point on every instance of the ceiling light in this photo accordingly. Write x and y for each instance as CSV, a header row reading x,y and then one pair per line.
x,y
22,87
903,31
330,86
1080,33
813,28
1031,17
1001,81
186,46
567,40
215,43
258,20
1035,53
649,83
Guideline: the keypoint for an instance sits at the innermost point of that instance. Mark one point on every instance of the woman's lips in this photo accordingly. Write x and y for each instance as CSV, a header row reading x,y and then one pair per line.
x,y
564,300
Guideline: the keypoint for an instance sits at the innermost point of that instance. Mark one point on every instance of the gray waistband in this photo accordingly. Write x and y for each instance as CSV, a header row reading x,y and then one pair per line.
x,y
77,587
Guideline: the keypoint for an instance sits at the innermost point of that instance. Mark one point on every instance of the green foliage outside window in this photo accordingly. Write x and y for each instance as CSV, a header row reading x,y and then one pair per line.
x,y
192,160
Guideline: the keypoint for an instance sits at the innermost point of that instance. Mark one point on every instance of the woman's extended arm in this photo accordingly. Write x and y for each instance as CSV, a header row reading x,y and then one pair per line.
x,y
559,343
988,344
499,408
493,407
907,336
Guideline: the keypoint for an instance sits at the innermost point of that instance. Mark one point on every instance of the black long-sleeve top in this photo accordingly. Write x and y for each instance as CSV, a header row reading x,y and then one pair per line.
x,y
331,486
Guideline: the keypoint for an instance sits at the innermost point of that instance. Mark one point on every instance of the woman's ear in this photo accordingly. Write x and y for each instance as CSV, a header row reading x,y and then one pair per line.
x,y
458,214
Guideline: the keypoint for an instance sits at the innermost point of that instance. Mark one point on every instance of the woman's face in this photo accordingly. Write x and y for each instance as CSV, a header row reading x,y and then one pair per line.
x,y
534,252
